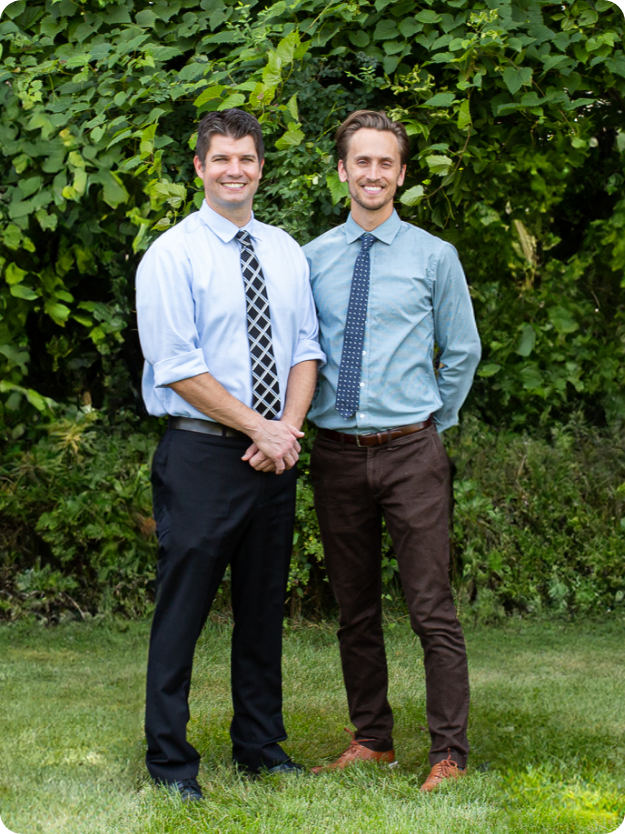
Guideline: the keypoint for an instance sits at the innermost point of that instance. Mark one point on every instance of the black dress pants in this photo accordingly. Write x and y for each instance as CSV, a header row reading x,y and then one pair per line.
x,y
212,509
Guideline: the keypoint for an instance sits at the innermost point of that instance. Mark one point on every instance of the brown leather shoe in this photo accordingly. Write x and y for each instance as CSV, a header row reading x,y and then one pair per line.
x,y
356,752
447,769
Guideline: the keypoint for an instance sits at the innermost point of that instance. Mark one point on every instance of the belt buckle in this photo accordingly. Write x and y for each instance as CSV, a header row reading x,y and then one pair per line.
x,y
358,441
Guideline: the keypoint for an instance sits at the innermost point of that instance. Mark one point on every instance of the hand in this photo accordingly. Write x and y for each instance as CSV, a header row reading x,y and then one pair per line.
x,y
275,447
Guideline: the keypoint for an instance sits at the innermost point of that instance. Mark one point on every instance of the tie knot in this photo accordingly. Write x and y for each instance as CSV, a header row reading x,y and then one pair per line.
x,y
367,241
244,238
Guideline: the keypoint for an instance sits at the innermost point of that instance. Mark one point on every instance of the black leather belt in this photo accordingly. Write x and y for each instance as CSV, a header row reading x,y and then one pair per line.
x,y
378,438
204,427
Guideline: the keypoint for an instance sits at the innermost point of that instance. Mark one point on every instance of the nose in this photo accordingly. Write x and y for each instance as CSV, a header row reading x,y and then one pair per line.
x,y
234,168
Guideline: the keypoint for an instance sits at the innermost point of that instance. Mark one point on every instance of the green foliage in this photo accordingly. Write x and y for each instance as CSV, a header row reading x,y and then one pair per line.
x,y
515,113
514,108
76,528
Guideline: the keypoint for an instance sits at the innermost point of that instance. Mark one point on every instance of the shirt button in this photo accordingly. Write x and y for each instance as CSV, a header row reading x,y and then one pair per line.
x,y
362,384
362,416
364,353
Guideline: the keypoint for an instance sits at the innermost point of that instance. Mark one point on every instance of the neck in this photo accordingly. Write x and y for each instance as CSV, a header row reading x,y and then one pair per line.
x,y
370,220
239,215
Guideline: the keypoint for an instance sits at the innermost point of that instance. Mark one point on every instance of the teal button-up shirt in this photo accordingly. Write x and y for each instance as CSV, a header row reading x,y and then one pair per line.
x,y
418,297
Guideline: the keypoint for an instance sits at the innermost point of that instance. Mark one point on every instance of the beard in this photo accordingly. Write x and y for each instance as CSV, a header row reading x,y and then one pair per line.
x,y
373,203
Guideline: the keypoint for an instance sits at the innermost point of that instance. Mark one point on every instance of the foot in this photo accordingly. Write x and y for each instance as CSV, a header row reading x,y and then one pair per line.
x,y
447,769
357,752
286,767
187,789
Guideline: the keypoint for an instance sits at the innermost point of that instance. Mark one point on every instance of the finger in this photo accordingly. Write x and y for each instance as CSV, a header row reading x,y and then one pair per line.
x,y
279,466
259,457
250,452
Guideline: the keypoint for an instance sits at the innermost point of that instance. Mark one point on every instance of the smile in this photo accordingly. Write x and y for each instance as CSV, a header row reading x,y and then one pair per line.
x,y
372,189
234,186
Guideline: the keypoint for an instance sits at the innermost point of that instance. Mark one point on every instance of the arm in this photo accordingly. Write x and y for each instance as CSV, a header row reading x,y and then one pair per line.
x,y
299,394
456,335
276,440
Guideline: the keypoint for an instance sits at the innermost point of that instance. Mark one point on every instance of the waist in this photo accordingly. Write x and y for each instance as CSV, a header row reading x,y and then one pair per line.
x,y
379,438
204,427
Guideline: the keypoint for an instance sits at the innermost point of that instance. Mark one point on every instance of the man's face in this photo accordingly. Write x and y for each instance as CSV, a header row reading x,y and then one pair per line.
x,y
373,168
230,173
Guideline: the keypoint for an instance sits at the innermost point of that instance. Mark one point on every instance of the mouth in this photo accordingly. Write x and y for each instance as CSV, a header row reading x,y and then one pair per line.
x,y
234,186
372,190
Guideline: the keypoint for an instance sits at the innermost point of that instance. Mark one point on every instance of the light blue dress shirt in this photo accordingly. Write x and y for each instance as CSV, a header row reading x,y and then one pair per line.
x,y
191,309
418,297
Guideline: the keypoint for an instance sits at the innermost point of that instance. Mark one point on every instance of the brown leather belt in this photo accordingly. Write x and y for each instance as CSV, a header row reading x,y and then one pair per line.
x,y
379,438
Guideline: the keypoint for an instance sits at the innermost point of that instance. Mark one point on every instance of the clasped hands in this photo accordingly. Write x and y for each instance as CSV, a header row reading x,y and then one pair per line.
x,y
275,447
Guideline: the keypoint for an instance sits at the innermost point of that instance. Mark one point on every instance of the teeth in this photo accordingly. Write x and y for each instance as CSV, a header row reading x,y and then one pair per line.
x,y
233,185
372,189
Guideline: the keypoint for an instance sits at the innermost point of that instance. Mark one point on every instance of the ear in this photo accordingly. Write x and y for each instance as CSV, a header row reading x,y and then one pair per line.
x,y
199,168
262,165
342,171
402,175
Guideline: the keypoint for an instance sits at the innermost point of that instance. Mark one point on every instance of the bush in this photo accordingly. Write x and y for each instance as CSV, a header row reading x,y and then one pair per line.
x,y
538,524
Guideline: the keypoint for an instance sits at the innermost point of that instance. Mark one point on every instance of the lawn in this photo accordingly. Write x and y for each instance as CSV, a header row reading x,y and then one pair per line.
x,y
547,733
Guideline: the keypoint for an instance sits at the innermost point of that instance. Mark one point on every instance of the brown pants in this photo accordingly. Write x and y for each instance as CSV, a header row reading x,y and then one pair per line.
x,y
408,482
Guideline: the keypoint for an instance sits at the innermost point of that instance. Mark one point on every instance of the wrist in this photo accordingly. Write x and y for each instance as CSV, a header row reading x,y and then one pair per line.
x,y
292,419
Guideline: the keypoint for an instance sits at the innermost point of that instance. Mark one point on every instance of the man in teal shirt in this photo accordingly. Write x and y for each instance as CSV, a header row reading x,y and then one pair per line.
x,y
387,293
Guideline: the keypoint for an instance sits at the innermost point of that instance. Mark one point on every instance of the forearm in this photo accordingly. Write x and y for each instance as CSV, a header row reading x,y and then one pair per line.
x,y
211,398
299,392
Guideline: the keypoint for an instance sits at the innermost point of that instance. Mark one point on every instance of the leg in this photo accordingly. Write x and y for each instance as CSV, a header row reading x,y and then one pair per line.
x,y
260,569
414,474
351,523
200,497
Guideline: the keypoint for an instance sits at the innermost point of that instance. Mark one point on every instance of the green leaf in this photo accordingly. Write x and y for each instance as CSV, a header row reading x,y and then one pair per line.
x,y
409,27
385,30
209,94
291,138
13,274
114,192
292,107
338,190
146,19
287,46
20,291
438,164
464,115
440,100
14,9
515,77
59,313
413,196
428,16
233,100
358,38
29,186
563,320
526,341
489,369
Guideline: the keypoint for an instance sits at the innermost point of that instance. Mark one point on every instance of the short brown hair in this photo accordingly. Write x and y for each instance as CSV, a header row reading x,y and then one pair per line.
x,y
234,123
376,121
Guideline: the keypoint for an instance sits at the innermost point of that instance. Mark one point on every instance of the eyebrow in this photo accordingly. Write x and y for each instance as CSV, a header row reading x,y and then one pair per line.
x,y
380,159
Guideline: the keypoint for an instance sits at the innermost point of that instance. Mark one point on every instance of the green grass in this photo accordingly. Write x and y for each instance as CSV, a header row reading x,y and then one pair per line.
x,y
547,733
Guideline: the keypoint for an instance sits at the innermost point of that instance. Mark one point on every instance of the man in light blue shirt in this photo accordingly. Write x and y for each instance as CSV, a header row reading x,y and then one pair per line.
x,y
229,334
398,330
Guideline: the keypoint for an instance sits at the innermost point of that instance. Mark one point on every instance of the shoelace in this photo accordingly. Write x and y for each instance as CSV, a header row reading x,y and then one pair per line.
x,y
446,767
354,743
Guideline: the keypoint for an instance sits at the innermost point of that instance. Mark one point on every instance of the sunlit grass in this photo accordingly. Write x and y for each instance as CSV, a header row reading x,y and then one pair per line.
x,y
547,733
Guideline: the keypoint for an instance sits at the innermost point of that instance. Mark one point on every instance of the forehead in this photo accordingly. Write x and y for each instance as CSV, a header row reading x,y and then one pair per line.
x,y
226,145
373,143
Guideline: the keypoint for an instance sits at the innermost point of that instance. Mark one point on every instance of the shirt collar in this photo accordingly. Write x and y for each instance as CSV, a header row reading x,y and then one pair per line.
x,y
386,232
226,229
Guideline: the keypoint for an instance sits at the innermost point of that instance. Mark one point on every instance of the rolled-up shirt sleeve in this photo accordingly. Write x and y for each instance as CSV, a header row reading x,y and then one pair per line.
x,y
456,335
166,315
307,346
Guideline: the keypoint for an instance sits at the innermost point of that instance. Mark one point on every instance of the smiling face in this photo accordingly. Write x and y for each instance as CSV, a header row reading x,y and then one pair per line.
x,y
373,171
230,173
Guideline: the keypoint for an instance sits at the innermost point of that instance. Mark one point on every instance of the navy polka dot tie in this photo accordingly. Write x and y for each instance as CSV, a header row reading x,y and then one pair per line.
x,y
348,389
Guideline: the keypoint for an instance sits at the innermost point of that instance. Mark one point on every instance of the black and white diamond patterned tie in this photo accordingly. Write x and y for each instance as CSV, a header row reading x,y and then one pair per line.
x,y
265,385
348,388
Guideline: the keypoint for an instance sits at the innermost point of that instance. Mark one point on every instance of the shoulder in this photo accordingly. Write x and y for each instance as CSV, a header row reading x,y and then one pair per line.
x,y
176,237
416,236
325,242
278,237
